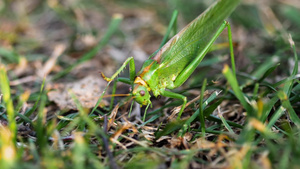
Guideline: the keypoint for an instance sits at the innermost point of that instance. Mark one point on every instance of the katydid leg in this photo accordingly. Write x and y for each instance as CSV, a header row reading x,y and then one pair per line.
x,y
132,73
124,80
120,79
185,74
130,60
182,77
170,94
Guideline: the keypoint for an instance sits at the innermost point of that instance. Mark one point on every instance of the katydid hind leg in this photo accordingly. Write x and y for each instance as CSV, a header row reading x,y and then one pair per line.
x,y
187,71
170,94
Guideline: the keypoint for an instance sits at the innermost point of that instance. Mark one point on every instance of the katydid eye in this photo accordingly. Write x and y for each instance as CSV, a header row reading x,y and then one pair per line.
x,y
142,93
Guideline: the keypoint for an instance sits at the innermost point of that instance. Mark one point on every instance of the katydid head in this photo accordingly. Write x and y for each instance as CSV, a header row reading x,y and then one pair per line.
x,y
141,94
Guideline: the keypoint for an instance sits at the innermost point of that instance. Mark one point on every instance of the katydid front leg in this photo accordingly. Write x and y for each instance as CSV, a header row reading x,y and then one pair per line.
x,y
132,74
119,79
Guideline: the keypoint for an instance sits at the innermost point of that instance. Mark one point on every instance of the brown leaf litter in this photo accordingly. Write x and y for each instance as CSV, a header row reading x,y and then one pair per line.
x,y
87,91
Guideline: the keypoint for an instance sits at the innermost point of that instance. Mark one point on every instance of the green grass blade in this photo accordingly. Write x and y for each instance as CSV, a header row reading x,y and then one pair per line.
x,y
5,89
231,49
227,126
268,108
24,118
170,127
201,115
287,105
289,84
9,55
204,104
40,125
287,88
261,72
218,120
255,91
268,72
33,150
170,27
279,112
84,117
237,91
28,113
150,120
284,162
79,151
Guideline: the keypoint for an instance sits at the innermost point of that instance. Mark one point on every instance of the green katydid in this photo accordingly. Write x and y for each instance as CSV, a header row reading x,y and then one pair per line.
x,y
172,65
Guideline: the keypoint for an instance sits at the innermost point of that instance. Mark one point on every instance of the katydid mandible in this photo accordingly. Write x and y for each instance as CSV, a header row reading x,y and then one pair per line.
x,y
172,65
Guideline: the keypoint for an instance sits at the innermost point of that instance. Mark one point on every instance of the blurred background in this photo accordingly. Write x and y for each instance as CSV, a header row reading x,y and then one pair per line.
x,y
33,31
32,28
